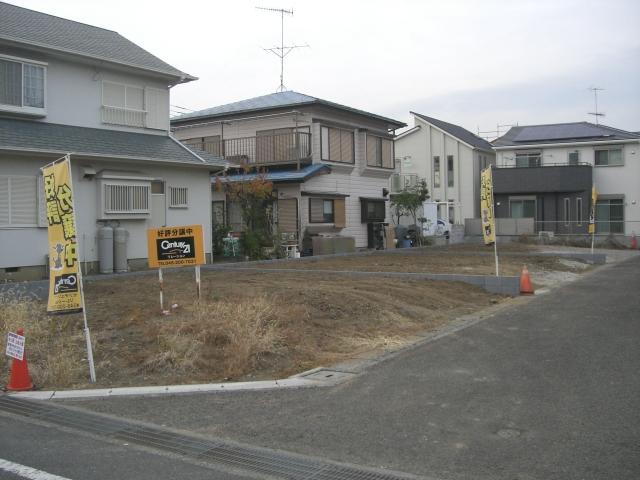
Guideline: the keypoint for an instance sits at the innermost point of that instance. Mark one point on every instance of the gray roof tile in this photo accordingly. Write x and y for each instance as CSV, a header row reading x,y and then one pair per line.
x,y
273,101
457,131
38,29
26,135
576,132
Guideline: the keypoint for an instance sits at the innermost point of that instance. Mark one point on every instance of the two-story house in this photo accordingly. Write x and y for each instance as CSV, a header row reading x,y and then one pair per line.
x,y
449,158
71,88
329,163
546,172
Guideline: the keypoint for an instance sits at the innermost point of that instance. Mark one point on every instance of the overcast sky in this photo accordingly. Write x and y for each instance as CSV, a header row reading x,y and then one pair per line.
x,y
474,63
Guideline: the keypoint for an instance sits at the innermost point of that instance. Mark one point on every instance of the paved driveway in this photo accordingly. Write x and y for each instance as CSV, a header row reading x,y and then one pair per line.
x,y
550,390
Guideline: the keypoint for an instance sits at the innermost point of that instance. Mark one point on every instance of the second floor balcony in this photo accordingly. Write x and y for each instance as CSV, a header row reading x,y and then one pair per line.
x,y
268,149
542,178
401,181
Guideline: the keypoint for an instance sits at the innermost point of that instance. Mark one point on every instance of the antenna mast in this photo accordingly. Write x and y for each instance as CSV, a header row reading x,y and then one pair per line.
x,y
283,50
595,113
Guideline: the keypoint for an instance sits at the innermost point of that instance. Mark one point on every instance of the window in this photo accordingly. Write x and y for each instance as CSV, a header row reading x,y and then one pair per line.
x,y
126,198
610,215
567,211
178,197
533,159
452,215
372,210
211,144
123,104
522,207
217,213
321,210
407,161
609,157
337,145
157,187
379,152
579,211
574,157
22,85
436,171
18,201
450,170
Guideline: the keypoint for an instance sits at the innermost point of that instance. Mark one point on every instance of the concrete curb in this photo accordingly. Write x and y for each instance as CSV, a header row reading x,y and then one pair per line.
x,y
293,382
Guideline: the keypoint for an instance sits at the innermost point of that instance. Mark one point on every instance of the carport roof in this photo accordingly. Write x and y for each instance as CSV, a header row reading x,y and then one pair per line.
x,y
279,176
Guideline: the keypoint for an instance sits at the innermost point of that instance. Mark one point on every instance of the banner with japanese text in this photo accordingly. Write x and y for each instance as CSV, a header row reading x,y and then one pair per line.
x,y
592,213
64,282
486,207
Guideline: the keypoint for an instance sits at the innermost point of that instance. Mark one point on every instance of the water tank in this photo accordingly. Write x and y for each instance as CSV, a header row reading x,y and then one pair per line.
x,y
120,236
105,249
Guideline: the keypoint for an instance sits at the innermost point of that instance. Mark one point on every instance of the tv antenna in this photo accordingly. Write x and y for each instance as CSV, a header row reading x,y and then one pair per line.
x,y
595,113
283,50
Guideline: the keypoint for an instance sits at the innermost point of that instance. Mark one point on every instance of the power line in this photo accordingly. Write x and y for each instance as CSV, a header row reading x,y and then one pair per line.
x,y
283,50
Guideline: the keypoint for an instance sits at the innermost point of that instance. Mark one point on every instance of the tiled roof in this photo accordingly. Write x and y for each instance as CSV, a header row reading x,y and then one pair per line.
x,y
281,176
457,131
576,132
274,101
23,26
33,136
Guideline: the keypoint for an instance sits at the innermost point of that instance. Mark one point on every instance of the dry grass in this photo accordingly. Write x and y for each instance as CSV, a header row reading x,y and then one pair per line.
x,y
53,344
236,335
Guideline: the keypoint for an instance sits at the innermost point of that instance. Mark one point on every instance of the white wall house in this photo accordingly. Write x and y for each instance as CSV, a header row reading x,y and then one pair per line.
x,y
612,155
449,158
70,88
329,163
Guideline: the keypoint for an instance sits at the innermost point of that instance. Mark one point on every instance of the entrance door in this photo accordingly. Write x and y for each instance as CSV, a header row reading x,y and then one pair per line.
x,y
158,205
288,216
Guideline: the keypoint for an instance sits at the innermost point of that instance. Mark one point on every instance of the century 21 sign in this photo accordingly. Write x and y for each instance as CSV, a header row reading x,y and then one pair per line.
x,y
175,246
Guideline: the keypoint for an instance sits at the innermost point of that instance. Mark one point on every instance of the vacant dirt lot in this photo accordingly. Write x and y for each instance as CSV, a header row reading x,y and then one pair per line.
x,y
463,259
247,326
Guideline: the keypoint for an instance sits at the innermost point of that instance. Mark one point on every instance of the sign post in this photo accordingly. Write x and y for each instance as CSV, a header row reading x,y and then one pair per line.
x,y
181,246
487,212
66,292
592,216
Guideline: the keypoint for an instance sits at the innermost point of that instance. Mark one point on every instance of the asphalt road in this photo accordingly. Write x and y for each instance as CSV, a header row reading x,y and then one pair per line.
x,y
78,457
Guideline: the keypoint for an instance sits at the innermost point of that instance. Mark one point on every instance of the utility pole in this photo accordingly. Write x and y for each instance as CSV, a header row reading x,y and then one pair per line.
x,y
595,113
283,50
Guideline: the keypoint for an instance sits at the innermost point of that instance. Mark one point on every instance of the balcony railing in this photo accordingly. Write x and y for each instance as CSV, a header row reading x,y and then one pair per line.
x,y
262,149
400,181
546,178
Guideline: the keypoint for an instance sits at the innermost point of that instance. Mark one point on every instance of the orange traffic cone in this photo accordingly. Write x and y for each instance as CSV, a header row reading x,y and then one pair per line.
x,y
634,241
525,282
19,380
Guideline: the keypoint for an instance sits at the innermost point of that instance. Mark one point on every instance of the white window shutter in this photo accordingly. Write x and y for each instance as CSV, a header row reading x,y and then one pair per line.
x,y
42,204
4,200
156,104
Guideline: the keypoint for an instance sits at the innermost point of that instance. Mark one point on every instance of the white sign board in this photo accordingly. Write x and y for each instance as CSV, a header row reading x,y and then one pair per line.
x,y
15,346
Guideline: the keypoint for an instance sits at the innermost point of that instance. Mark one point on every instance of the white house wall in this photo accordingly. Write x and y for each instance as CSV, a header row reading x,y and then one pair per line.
x,y
422,145
74,92
31,242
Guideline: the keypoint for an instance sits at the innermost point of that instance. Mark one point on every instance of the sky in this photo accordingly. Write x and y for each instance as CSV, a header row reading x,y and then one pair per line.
x,y
478,64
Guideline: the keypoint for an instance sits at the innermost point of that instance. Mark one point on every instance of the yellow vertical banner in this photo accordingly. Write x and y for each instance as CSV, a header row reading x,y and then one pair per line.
x,y
486,207
64,281
592,215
